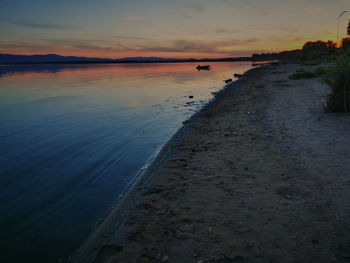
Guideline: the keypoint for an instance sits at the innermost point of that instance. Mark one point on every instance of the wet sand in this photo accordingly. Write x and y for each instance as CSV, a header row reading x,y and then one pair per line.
x,y
261,174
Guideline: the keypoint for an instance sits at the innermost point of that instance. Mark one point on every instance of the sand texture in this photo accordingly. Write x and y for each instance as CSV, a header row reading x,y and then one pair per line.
x,y
263,175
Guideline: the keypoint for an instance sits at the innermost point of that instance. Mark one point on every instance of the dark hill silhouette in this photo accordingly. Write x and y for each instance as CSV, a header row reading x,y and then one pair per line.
x,y
8,58
53,58
57,59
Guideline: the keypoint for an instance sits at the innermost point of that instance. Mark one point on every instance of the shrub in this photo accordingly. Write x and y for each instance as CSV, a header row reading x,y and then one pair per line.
x,y
311,62
302,74
338,78
320,71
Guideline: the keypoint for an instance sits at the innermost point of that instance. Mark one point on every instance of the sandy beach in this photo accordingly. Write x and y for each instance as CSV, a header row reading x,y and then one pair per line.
x,y
261,174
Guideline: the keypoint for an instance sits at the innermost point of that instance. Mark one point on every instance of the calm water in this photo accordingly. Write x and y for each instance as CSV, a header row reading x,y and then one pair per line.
x,y
73,139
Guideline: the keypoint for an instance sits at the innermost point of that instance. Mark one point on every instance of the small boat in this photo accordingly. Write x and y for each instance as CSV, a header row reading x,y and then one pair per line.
x,y
205,67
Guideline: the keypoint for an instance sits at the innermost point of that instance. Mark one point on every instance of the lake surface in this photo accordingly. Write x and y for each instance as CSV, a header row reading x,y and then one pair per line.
x,y
73,138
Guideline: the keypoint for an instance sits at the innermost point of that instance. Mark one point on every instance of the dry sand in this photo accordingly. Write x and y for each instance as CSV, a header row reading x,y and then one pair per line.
x,y
263,175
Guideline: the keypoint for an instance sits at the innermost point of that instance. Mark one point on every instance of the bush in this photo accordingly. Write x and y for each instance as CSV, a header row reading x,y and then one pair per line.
x,y
311,62
338,78
320,71
303,74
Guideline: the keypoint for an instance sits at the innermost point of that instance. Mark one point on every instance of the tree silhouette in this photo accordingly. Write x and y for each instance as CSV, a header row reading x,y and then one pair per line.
x,y
319,45
346,43
318,49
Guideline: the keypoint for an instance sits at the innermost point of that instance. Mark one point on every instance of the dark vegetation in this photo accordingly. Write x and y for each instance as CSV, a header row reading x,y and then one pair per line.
x,y
319,50
285,56
336,76
303,74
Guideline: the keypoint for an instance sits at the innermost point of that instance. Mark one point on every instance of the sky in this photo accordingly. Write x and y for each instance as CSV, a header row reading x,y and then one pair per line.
x,y
166,28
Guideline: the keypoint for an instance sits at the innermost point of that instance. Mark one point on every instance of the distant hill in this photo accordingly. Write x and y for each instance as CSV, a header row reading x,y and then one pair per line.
x,y
57,59
53,58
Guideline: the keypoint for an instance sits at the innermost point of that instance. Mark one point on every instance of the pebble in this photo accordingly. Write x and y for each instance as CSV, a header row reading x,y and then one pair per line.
x,y
165,258
251,112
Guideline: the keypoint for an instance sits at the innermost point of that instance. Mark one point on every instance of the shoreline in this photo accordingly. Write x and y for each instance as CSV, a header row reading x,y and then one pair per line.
x,y
116,218
261,176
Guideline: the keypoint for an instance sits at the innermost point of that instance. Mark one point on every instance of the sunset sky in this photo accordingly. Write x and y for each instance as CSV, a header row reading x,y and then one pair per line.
x,y
177,28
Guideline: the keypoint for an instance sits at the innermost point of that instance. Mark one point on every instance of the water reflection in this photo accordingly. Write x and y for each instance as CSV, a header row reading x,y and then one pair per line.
x,y
73,137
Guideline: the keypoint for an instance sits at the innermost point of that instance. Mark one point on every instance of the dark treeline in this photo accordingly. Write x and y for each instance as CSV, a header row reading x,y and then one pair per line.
x,y
334,59
312,50
321,50
289,56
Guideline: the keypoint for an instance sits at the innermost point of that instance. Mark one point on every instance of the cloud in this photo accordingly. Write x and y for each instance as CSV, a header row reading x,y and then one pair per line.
x,y
36,24
131,18
227,31
314,10
275,29
23,45
119,47
178,46
254,8
195,46
187,16
189,9
196,7
170,46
